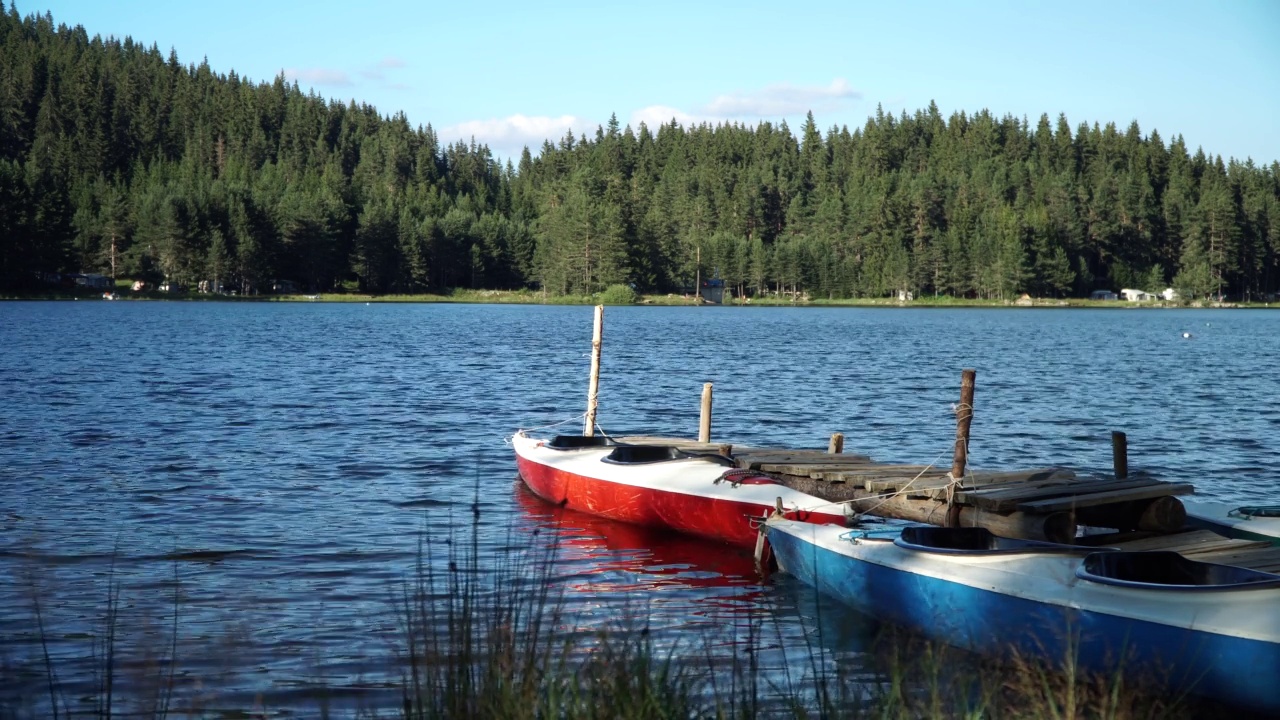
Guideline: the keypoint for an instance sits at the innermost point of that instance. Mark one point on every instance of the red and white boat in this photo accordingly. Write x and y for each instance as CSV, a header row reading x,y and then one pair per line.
x,y
662,486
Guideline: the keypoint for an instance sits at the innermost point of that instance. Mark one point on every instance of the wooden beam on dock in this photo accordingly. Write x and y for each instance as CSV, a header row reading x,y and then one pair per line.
x,y
1102,498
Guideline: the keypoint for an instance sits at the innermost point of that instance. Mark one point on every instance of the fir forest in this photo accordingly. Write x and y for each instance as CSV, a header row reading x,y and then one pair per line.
x,y
121,160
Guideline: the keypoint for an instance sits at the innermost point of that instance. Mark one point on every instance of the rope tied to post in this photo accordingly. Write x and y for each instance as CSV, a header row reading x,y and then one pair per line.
x,y
574,419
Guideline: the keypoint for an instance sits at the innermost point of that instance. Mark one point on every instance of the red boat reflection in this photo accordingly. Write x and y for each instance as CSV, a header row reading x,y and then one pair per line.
x,y
632,558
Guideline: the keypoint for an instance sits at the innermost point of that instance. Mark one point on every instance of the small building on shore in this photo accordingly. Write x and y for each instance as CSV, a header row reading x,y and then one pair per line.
x,y
1136,295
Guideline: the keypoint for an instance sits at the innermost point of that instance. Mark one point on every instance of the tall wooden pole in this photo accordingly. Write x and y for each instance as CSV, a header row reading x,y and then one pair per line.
x,y
704,419
1120,454
964,416
593,389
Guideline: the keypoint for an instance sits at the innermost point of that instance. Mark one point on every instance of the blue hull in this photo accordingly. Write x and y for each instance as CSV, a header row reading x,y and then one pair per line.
x,y
1233,670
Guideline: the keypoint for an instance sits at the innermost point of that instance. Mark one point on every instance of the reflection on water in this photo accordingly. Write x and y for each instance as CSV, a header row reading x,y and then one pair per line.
x,y
265,473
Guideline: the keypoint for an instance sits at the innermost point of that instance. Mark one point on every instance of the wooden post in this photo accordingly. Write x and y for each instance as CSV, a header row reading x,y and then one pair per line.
x,y
1120,454
964,416
725,449
593,388
836,446
704,420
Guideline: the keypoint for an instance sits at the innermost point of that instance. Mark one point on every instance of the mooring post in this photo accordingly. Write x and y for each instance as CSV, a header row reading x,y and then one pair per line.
x,y
593,388
836,446
964,416
704,420
1120,454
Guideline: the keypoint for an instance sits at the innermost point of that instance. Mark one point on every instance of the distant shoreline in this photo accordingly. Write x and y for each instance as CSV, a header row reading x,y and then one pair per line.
x,y
525,297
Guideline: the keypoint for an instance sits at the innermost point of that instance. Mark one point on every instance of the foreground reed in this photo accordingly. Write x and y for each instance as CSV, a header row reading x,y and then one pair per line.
x,y
479,638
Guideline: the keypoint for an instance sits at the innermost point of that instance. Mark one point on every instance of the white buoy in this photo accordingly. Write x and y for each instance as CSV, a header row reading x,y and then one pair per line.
x,y
1186,336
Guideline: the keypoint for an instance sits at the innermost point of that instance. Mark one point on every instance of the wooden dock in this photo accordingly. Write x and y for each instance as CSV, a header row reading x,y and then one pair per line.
x,y
1039,503
1128,511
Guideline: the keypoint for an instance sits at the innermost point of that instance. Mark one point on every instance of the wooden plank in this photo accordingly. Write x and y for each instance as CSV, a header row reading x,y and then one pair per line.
x,y
1224,545
1190,541
802,469
755,462
983,479
815,457
1243,556
878,470
1009,491
921,484
1032,488
1006,498
1106,498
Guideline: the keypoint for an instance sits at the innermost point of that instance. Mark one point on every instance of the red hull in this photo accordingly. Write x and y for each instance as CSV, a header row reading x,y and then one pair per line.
x,y
713,518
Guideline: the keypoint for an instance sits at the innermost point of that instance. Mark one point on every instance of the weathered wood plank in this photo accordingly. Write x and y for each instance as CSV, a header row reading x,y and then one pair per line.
x,y
878,470
803,469
1024,489
815,457
916,484
1242,556
1105,498
1006,498
1057,527
1191,541
983,479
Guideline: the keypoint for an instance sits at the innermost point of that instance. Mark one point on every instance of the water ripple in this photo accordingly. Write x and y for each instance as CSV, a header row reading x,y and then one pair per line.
x,y
269,473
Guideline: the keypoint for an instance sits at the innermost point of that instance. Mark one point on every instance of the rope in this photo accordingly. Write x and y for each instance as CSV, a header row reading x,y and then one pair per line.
x,y
902,490
886,497
1250,512
575,418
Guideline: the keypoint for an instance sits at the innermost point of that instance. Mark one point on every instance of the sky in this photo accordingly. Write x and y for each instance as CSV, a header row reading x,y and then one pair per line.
x,y
512,74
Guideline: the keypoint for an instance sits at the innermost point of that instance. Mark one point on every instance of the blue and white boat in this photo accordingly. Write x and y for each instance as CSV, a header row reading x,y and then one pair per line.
x,y
1211,630
1247,522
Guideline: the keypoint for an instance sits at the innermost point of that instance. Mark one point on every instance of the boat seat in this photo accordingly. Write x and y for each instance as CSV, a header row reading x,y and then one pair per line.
x,y
978,541
577,442
645,454
1163,569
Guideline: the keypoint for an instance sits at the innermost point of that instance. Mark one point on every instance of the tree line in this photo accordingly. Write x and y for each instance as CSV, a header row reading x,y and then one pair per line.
x,y
118,159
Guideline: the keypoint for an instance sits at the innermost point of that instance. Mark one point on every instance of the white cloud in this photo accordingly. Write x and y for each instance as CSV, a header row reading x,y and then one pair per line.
x,y
318,76
656,115
391,61
509,135
781,100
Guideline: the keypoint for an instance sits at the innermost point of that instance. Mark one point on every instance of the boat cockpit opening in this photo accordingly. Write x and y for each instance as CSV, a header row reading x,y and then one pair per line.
x,y
578,442
645,454
978,541
1169,570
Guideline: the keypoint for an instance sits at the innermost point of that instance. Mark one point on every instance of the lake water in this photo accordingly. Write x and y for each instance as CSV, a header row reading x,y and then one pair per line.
x,y
271,469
